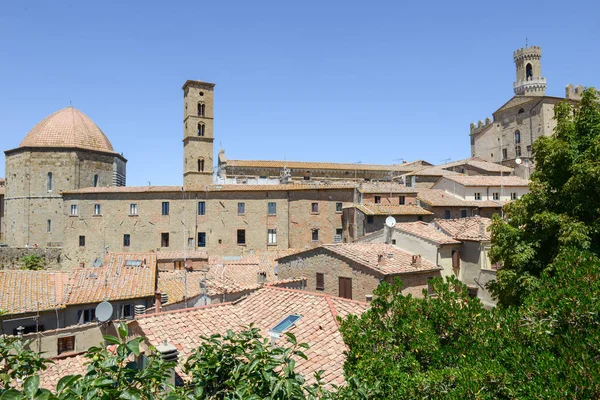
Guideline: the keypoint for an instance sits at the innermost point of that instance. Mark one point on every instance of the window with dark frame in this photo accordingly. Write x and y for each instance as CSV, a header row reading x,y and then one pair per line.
x,y
65,344
272,208
86,315
455,259
127,311
369,219
200,129
314,208
495,196
241,236
504,154
97,209
96,180
478,196
74,211
272,236
320,281
315,235
402,200
377,199
49,183
337,238
165,208
201,239
339,207
463,213
164,239
241,208
201,208
126,240
345,287
447,214
133,209
81,241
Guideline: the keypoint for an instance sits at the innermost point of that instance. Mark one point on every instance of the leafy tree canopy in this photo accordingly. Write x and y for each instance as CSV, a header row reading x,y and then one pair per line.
x,y
562,209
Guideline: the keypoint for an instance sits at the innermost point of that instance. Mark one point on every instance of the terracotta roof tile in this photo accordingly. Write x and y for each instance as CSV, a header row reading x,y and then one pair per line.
x,y
264,308
385,188
72,365
320,165
478,163
114,280
471,228
69,128
425,231
31,291
387,209
179,255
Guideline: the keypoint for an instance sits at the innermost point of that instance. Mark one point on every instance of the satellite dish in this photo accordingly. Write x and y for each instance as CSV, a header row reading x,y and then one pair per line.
x,y
104,311
518,161
390,221
97,263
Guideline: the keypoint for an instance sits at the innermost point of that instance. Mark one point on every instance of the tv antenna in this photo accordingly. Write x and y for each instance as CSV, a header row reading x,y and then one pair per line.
x,y
104,311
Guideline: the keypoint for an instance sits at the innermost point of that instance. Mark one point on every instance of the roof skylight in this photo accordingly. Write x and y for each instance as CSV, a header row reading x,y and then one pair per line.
x,y
284,325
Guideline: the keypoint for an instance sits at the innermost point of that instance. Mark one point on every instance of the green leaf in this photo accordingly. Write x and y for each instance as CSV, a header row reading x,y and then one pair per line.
x,y
111,339
131,394
31,385
134,345
12,394
65,382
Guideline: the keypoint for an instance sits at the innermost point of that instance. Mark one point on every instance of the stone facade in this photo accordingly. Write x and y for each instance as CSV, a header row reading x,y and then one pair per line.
x,y
364,280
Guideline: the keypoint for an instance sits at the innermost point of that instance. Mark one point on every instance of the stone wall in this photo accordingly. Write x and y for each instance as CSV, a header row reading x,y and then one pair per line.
x,y
10,257
364,280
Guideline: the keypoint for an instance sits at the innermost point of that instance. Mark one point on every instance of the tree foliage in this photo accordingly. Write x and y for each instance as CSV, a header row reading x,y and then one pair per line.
x,y
32,262
562,209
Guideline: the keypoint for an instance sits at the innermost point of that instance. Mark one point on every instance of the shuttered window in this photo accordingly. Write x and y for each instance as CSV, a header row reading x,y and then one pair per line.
x,y
345,287
320,281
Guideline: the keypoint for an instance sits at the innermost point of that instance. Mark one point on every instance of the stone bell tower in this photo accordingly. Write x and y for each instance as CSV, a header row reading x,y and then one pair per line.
x,y
198,134
529,72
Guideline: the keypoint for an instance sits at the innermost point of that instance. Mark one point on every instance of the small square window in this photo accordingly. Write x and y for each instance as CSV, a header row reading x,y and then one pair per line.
x,y
126,240
241,236
165,208
477,196
496,196
201,208
201,239
97,209
133,209
337,238
74,210
447,214
127,311
315,235
241,208
81,241
377,199
65,344
272,208
339,207
463,213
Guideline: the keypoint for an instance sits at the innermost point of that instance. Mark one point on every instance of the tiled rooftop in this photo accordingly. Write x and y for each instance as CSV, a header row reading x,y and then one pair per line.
x,y
385,188
180,255
478,163
388,209
321,165
440,198
114,280
265,308
31,291
425,231
483,180
472,228
72,365
69,128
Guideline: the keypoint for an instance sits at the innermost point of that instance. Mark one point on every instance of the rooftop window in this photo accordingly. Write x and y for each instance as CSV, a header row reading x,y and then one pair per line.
x,y
284,325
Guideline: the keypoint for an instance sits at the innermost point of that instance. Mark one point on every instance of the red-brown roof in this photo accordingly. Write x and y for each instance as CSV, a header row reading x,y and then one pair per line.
x,y
471,228
180,255
68,128
386,188
321,165
388,209
425,231
478,163
71,365
441,198
31,291
114,280
264,308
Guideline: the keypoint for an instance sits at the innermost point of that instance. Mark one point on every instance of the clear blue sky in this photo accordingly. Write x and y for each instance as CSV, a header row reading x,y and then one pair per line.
x,y
341,81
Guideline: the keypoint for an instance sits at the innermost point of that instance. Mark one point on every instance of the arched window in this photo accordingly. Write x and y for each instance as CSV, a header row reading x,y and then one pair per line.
x,y
201,109
200,164
96,180
200,129
528,72
49,183
517,137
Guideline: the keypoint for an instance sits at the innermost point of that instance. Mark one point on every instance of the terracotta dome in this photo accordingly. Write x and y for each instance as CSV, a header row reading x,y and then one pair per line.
x,y
69,128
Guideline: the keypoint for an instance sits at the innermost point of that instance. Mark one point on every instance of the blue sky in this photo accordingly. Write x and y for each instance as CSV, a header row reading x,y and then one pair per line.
x,y
341,81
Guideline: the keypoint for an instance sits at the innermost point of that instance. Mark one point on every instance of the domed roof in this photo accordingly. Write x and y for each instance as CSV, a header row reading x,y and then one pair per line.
x,y
70,128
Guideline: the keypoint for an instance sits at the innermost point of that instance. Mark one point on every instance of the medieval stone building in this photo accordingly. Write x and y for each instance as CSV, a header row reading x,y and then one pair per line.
x,y
507,137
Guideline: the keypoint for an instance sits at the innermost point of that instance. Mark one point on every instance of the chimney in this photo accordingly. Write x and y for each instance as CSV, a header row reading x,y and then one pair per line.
x,y
157,301
380,259
416,261
169,353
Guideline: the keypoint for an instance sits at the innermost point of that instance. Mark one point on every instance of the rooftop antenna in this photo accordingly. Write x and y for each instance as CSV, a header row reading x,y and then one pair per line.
x,y
446,160
526,42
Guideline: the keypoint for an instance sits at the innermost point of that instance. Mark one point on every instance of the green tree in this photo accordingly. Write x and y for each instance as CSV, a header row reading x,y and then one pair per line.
x,y
561,211
32,262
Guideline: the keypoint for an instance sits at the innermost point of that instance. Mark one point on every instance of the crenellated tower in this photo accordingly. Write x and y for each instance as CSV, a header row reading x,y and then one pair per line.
x,y
198,134
529,72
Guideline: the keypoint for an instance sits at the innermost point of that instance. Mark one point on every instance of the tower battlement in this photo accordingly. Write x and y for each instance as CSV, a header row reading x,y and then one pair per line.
x,y
480,126
529,80
528,53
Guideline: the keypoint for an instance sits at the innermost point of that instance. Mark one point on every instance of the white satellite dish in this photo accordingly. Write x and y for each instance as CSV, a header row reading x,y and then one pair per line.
x,y
97,263
390,221
104,311
518,161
